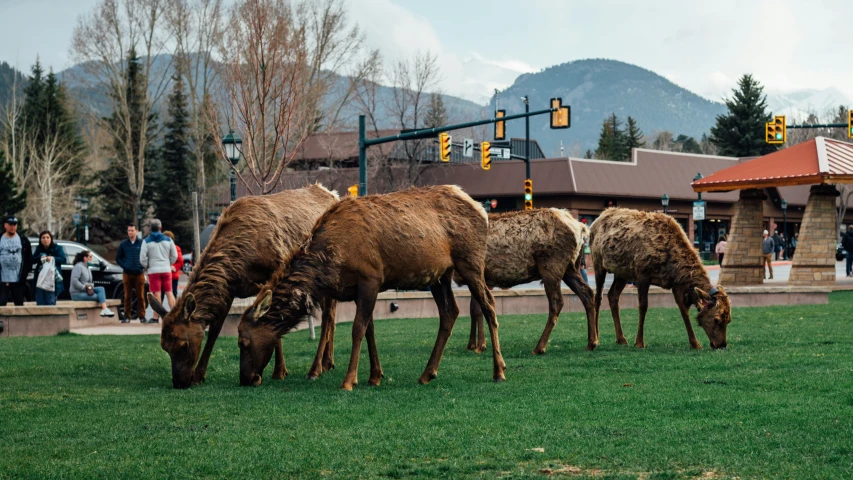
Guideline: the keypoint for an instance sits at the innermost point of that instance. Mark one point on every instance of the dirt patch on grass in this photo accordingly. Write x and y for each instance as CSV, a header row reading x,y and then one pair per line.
x,y
573,471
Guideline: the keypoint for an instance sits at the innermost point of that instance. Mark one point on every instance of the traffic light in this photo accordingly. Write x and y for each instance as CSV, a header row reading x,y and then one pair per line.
x,y
776,133
500,127
444,140
353,190
528,194
486,155
850,124
562,117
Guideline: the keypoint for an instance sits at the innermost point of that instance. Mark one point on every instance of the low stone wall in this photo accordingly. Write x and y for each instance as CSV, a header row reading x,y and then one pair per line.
x,y
32,320
526,302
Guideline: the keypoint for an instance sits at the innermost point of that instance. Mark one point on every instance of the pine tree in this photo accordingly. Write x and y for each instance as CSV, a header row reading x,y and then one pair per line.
x,y
174,178
740,133
612,142
633,136
588,154
436,114
10,202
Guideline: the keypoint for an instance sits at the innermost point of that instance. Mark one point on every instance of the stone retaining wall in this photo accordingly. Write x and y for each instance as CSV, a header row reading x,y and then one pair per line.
x,y
32,320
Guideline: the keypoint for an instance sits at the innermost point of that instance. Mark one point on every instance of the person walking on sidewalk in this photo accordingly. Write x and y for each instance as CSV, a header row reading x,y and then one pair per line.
x,y
847,243
82,286
133,277
721,249
768,247
16,261
157,255
177,266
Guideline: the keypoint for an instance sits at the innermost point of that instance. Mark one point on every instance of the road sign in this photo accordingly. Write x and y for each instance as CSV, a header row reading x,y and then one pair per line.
x,y
699,210
502,153
468,147
76,219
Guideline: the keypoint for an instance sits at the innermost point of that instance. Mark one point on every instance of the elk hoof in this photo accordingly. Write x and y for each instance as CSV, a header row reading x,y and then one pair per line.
x,y
696,346
426,378
312,376
621,341
539,351
591,346
640,344
500,379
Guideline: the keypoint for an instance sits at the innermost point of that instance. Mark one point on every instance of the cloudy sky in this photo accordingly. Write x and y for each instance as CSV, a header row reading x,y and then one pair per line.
x,y
480,44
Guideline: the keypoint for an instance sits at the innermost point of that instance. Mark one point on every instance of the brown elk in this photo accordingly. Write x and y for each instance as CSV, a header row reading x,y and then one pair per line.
x,y
252,239
543,244
652,249
407,240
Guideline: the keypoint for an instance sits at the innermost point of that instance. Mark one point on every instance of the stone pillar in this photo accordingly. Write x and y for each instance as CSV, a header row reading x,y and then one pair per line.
x,y
814,262
742,263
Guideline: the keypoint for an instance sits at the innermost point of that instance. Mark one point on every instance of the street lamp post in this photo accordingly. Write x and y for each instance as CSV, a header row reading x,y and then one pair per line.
x,y
696,179
785,225
664,200
231,143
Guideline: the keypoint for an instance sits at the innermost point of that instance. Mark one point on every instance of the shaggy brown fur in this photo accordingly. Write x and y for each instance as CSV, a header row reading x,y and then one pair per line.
x,y
652,249
527,245
407,240
254,237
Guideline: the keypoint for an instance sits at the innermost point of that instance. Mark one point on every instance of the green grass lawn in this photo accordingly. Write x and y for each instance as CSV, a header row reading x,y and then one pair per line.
x,y
777,403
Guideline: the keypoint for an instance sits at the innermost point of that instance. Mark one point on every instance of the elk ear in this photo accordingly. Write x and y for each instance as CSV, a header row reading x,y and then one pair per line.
x,y
189,305
155,305
263,305
704,299
720,289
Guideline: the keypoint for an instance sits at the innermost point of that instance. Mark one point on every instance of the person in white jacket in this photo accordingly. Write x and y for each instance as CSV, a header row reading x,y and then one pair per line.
x,y
157,255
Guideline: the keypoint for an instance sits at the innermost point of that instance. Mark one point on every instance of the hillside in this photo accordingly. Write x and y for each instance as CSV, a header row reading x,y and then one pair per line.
x,y
8,80
595,88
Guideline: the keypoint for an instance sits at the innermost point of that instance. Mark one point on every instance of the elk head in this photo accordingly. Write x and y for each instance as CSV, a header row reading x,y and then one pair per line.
x,y
715,314
257,341
180,338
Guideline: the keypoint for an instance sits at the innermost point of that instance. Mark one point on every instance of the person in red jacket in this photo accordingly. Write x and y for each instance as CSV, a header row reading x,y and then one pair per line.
x,y
176,268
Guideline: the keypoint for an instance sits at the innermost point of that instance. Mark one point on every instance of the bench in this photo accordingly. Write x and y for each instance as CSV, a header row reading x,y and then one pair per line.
x,y
31,320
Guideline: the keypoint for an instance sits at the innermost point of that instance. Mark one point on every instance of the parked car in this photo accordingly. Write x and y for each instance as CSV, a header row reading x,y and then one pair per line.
x,y
104,274
188,263
840,253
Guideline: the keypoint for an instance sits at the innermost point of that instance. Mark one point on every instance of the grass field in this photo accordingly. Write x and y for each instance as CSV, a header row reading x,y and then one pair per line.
x,y
777,403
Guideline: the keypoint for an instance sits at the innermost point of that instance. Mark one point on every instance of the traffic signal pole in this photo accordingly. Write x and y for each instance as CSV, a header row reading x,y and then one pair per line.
x,y
364,143
527,137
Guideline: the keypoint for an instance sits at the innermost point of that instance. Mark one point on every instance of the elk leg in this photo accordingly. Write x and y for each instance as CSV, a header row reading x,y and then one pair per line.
x,y
643,298
364,311
600,277
376,374
326,340
477,285
685,315
555,305
200,373
584,292
477,340
448,311
613,299
280,370
329,316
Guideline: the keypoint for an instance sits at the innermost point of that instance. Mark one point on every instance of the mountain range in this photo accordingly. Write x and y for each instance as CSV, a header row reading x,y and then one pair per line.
x,y
594,88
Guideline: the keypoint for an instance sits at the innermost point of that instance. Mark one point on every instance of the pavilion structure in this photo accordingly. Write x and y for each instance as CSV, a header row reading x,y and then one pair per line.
x,y
822,163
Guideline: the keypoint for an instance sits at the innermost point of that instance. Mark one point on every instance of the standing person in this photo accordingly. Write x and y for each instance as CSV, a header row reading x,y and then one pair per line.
x,y
777,240
132,277
48,250
794,241
768,246
721,249
82,287
16,261
176,267
157,255
847,243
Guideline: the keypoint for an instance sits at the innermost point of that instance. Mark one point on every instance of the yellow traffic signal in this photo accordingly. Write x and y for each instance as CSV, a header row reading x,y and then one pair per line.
x,y
561,117
528,194
850,124
500,127
353,190
444,140
775,130
486,155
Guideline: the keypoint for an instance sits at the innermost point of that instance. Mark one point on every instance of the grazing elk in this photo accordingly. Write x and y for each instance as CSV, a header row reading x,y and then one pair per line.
x,y
527,245
652,249
407,240
252,239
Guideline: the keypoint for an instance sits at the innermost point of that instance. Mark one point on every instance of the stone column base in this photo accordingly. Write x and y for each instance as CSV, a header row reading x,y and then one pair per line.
x,y
742,263
814,263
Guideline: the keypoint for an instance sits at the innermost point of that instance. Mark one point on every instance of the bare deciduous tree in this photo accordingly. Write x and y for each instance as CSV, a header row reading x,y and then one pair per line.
x,y
102,42
50,195
264,87
14,140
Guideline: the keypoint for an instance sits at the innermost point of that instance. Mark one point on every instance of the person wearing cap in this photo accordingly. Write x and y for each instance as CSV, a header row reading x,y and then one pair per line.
x,y
768,246
16,261
157,255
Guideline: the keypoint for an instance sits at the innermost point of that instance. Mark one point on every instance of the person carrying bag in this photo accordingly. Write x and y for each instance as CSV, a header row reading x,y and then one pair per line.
x,y
47,276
